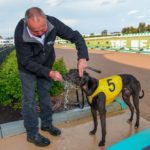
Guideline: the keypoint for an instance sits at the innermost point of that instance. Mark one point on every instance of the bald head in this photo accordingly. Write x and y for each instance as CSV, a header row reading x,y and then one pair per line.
x,y
34,12
35,19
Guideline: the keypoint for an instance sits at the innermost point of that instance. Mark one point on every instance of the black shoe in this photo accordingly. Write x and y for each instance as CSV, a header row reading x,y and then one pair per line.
x,y
52,130
38,140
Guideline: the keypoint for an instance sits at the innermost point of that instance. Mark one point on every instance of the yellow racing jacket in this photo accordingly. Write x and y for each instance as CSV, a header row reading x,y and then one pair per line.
x,y
110,86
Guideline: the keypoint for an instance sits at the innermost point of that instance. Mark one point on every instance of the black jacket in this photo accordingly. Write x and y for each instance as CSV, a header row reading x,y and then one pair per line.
x,y
33,57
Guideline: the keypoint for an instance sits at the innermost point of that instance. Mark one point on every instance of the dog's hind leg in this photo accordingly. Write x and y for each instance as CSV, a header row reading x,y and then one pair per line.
x,y
135,97
126,97
101,107
94,115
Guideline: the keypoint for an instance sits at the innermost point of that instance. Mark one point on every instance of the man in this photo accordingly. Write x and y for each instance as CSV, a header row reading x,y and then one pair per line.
x,y
34,39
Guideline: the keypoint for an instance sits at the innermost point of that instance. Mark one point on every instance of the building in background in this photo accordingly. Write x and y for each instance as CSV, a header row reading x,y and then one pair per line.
x,y
6,42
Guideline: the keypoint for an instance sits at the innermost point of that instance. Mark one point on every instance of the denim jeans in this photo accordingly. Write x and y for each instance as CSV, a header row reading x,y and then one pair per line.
x,y
30,116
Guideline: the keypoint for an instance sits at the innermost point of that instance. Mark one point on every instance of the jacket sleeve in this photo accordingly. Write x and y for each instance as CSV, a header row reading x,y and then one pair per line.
x,y
25,56
67,33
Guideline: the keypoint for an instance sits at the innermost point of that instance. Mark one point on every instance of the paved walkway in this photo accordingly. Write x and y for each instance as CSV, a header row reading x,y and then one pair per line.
x,y
75,135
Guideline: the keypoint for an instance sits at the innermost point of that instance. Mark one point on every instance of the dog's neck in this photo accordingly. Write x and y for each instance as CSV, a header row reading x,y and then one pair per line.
x,y
91,86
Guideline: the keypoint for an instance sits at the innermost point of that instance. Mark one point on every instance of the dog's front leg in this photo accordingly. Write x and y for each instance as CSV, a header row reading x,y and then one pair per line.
x,y
94,115
102,114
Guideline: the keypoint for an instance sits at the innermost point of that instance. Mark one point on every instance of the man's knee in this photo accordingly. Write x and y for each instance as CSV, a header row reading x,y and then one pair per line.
x,y
28,107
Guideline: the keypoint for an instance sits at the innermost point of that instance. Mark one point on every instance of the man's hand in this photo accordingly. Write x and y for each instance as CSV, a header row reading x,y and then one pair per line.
x,y
56,76
82,64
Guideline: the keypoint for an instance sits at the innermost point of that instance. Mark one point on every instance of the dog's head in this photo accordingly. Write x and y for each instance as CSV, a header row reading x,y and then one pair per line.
x,y
73,77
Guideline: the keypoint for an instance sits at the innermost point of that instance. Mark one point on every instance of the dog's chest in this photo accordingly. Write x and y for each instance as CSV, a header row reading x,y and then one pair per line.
x,y
110,86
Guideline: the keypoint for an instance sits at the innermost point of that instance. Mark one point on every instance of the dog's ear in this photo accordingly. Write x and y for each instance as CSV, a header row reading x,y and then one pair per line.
x,y
85,74
73,70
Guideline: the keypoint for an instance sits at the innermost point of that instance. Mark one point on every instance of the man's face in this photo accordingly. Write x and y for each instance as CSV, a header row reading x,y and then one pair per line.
x,y
37,26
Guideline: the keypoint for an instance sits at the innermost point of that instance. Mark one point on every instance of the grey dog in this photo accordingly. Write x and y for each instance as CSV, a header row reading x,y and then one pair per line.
x,y
127,84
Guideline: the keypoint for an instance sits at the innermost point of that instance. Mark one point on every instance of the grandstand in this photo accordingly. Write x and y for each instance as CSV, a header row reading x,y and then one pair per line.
x,y
139,42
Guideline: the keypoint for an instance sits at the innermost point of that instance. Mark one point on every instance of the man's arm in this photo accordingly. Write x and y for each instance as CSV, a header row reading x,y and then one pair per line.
x,y
67,33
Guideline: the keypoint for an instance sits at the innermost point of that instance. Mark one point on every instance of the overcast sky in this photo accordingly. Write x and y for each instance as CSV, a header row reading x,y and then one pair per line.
x,y
86,16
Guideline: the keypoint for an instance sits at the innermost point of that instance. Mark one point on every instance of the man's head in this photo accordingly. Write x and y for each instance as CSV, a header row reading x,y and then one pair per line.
x,y
35,19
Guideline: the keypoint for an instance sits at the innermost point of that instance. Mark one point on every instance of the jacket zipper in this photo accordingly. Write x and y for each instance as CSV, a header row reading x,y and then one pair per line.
x,y
42,49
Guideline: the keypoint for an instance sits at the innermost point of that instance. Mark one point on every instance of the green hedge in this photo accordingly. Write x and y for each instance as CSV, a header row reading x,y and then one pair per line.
x,y
58,87
10,86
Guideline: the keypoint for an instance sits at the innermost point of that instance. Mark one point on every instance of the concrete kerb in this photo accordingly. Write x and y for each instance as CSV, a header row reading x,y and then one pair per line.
x,y
16,127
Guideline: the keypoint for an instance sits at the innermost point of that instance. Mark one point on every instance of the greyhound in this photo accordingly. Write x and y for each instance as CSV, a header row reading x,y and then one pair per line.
x,y
102,92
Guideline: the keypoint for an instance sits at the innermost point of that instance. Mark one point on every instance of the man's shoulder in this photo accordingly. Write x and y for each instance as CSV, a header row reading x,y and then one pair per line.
x,y
20,24
53,20
19,27
50,18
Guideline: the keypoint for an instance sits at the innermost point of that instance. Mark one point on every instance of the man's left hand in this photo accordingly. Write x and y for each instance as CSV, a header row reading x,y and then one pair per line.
x,y
82,64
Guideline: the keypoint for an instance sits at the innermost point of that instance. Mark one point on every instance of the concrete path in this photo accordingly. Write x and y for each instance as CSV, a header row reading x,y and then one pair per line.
x,y
75,135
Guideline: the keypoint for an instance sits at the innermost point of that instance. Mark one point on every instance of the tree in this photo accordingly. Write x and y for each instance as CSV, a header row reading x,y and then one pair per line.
x,y
148,28
133,30
92,34
141,27
125,30
104,33
128,30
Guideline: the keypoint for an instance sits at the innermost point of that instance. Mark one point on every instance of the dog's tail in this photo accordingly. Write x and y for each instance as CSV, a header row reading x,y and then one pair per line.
x,y
140,97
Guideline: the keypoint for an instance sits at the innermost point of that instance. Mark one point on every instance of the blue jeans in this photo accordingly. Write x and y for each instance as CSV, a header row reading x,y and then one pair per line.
x,y
30,116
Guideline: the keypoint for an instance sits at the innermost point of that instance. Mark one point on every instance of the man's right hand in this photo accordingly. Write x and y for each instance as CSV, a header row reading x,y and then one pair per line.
x,y
55,75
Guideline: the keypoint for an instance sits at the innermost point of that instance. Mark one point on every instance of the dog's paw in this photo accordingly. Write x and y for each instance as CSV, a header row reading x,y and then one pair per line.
x,y
129,120
101,143
92,132
136,125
